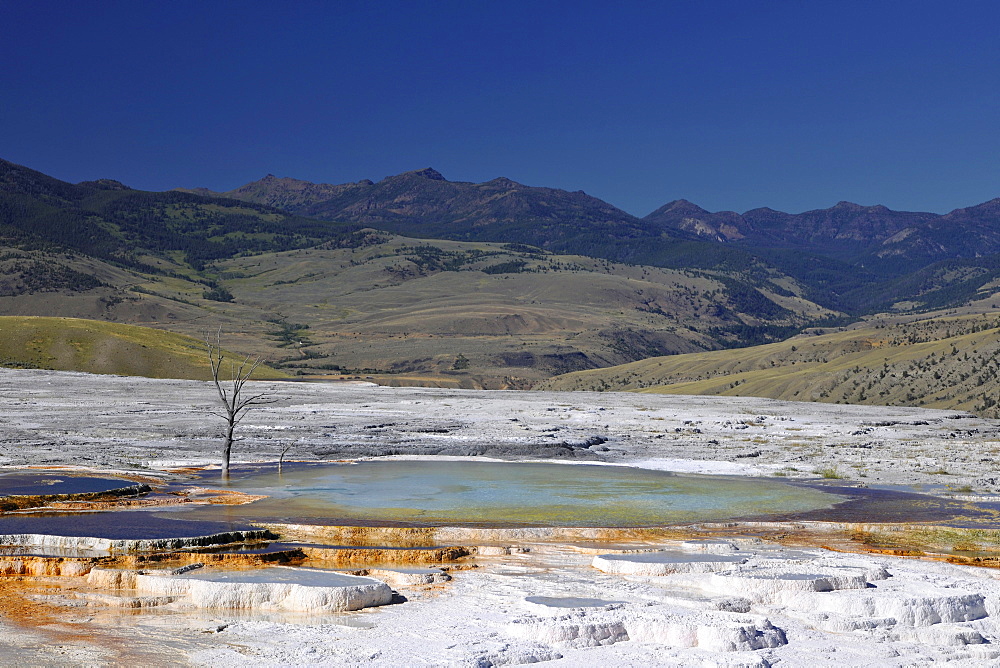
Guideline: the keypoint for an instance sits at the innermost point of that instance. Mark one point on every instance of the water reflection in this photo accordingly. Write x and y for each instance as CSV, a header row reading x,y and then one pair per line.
x,y
508,494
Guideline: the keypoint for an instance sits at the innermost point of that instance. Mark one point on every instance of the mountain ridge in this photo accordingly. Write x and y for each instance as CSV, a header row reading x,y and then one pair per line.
x,y
325,296
845,254
864,226
851,258
845,220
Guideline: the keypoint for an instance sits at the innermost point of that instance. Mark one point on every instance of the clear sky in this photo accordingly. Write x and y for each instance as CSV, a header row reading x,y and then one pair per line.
x,y
733,105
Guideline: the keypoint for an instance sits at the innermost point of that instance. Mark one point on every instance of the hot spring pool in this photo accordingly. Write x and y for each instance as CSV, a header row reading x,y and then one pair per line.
x,y
508,494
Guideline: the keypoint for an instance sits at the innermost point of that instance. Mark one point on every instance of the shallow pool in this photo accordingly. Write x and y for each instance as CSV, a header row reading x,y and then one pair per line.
x,y
37,483
511,494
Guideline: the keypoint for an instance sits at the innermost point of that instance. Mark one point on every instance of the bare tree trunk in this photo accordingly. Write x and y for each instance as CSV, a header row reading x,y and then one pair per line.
x,y
281,459
227,449
235,403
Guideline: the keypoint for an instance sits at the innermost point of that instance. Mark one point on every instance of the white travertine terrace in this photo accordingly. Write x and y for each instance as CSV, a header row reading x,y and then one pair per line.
x,y
664,562
758,605
535,595
714,631
830,594
325,591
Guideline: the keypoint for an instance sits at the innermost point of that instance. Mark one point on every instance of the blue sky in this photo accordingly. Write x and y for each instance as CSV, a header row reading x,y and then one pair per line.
x,y
733,105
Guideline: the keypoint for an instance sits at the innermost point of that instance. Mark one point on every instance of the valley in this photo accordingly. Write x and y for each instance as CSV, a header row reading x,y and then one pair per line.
x,y
341,298
511,310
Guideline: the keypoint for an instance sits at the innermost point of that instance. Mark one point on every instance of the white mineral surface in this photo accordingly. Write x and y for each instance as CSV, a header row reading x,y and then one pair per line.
x,y
268,589
110,422
739,602
549,605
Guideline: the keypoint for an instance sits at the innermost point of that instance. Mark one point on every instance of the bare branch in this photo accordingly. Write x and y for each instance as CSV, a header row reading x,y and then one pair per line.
x,y
256,400
231,392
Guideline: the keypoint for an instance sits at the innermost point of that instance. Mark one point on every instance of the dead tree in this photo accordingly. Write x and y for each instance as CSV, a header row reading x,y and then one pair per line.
x,y
236,402
284,451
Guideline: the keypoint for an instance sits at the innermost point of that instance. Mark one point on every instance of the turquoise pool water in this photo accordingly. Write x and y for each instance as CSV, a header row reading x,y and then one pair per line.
x,y
511,494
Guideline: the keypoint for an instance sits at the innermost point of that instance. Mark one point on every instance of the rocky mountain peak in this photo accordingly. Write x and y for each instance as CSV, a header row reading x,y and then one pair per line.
x,y
685,206
503,182
429,173
764,211
269,180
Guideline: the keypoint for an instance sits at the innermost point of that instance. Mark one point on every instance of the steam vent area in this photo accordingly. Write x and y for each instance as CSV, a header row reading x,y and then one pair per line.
x,y
366,525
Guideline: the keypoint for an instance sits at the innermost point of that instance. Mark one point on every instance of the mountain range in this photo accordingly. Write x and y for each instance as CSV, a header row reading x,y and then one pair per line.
x,y
317,296
418,279
424,204
852,258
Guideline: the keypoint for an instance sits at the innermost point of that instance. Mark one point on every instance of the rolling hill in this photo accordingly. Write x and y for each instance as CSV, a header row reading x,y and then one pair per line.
x,y
937,362
409,311
72,344
514,313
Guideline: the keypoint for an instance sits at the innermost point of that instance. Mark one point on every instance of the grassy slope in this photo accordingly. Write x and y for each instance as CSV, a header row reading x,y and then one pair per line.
x,y
379,307
942,362
412,307
72,344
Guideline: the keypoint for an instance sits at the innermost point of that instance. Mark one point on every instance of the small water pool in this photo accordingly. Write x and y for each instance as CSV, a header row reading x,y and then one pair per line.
x,y
39,483
116,525
473,493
